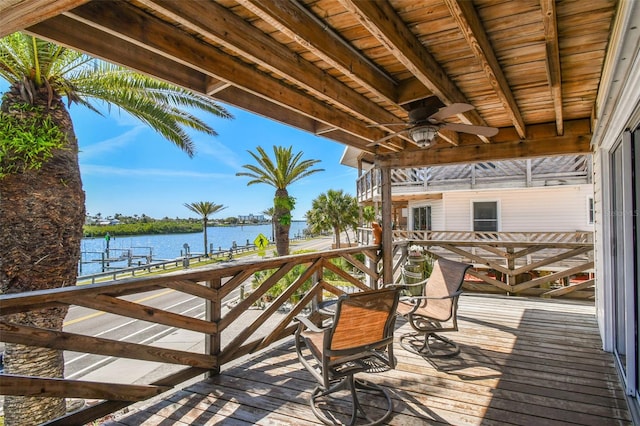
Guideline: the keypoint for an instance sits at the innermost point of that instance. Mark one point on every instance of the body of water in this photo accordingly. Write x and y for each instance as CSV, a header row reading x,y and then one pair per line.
x,y
169,246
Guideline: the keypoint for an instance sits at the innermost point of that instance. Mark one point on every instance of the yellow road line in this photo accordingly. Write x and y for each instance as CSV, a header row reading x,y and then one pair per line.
x,y
97,314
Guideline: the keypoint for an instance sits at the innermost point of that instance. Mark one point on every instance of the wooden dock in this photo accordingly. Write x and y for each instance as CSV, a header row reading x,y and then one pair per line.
x,y
524,361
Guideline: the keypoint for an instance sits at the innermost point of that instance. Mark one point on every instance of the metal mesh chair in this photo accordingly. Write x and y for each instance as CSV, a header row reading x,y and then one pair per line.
x,y
360,339
435,311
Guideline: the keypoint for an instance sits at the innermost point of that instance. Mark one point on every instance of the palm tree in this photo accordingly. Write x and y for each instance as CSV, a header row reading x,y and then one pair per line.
x,y
280,172
334,211
368,214
204,209
42,202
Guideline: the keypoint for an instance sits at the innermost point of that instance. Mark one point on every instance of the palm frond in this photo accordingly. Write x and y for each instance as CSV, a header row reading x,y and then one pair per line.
x,y
279,172
86,81
204,208
15,57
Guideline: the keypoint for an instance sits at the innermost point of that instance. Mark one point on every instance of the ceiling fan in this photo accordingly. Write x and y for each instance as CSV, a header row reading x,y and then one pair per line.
x,y
426,119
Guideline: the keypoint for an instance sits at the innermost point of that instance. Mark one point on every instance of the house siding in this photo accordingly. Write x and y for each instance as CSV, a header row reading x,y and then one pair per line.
x,y
618,109
549,209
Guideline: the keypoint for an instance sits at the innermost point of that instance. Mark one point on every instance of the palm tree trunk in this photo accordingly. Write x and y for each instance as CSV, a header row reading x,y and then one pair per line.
x,y
273,228
41,217
336,231
204,225
282,220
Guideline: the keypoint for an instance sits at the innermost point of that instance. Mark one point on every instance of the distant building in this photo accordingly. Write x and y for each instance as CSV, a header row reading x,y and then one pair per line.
x,y
251,218
96,220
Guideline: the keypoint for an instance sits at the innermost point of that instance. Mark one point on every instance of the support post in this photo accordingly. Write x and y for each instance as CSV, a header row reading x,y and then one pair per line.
x,y
213,313
387,233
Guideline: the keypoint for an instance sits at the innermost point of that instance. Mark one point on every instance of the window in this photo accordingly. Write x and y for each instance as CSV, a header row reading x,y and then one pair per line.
x,y
422,218
485,216
590,210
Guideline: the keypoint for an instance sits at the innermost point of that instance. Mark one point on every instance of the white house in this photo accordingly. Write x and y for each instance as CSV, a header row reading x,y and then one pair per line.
x,y
549,194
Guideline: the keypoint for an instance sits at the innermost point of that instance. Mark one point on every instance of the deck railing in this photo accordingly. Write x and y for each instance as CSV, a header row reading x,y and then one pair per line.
x,y
214,285
544,264
501,265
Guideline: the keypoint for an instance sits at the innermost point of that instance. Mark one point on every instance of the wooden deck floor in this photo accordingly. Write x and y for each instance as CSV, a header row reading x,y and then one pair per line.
x,y
523,362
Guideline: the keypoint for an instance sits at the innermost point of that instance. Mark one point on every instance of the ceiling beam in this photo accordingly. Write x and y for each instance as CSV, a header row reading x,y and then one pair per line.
x,y
147,32
387,27
449,136
470,26
541,141
71,33
68,32
215,86
550,21
301,26
256,105
220,26
25,13
412,90
415,197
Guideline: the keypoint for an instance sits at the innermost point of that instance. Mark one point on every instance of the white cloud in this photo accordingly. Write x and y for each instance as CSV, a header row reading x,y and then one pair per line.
x,y
96,170
112,144
218,151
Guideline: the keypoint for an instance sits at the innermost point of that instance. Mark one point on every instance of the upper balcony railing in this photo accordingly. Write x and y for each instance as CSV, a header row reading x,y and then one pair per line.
x,y
545,171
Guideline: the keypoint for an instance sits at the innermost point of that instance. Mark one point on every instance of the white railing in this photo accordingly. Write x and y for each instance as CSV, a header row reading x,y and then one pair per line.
x,y
533,172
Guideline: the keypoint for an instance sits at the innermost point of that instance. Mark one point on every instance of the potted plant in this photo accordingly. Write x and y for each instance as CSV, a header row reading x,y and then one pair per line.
x,y
416,251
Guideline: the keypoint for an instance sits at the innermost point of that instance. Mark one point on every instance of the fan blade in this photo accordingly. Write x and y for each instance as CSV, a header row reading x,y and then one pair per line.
x,y
469,128
450,111
389,136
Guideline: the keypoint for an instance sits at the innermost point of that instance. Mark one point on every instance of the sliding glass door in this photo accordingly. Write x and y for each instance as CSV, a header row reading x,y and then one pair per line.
x,y
625,234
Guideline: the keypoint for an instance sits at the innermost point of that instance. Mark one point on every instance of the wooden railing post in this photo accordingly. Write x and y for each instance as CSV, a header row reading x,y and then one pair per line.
x,y
213,313
511,266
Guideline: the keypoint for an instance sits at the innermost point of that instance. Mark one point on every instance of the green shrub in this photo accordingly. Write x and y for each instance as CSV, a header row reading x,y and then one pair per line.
x,y
27,142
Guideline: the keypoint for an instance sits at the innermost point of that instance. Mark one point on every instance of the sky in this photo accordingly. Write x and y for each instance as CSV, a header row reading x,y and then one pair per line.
x,y
129,169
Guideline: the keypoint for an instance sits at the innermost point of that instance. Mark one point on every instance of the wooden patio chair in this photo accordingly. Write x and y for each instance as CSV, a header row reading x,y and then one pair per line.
x,y
434,311
359,339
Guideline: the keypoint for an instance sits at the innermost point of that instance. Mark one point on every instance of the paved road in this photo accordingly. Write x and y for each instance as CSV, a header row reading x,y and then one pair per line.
x,y
99,324
89,322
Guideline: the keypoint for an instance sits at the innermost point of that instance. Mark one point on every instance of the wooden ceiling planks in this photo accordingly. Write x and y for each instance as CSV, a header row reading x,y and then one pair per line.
x,y
336,66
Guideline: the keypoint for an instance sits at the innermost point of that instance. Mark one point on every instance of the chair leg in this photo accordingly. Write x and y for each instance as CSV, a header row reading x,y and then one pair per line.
x,y
352,384
419,343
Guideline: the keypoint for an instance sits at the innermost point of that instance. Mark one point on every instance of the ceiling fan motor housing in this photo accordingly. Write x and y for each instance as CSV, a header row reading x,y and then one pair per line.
x,y
420,111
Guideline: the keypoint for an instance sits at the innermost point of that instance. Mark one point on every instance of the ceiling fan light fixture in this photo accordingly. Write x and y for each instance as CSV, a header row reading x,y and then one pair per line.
x,y
423,135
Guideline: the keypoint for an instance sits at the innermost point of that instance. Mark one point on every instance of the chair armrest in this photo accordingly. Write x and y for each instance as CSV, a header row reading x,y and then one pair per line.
x,y
328,307
395,286
417,300
306,322
405,286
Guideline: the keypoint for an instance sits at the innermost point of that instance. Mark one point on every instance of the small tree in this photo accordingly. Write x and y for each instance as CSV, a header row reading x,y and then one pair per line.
x,y
280,172
333,211
368,214
204,209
